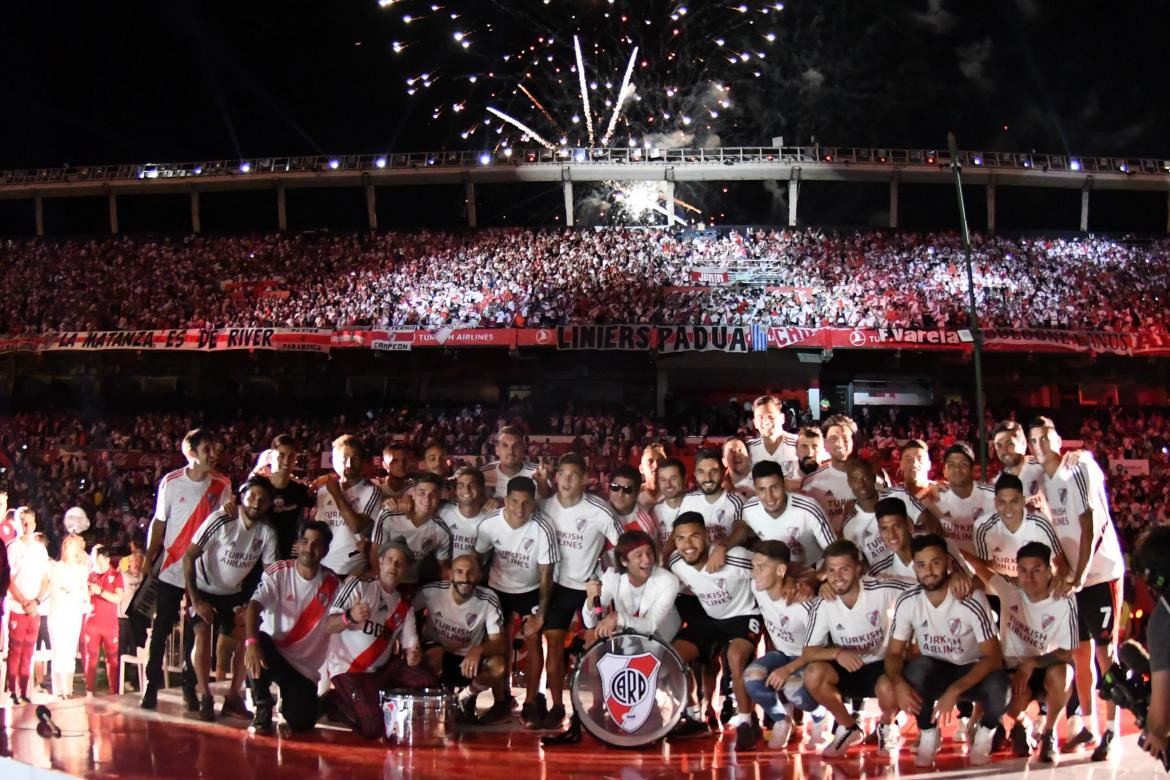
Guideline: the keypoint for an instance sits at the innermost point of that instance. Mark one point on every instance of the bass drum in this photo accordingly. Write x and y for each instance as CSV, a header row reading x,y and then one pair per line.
x,y
629,689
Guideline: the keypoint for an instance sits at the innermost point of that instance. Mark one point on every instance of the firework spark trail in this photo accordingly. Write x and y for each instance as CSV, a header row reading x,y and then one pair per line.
x,y
522,128
623,93
584,94
537,103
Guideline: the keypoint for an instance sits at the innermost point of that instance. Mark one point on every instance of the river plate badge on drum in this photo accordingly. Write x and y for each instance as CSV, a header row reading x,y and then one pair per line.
x,y
629,684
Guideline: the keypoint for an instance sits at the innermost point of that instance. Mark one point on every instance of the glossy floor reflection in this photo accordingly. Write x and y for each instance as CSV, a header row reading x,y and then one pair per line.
x,y
111,737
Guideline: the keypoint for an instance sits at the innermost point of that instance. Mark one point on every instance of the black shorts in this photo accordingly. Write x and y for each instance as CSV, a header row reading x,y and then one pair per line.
x,y
711,635
563,605
225,606
1097,612
520,604
689,608
451,674
861,684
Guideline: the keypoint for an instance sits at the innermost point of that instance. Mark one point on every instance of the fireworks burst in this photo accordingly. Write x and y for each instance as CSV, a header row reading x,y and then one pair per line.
x,y
504,73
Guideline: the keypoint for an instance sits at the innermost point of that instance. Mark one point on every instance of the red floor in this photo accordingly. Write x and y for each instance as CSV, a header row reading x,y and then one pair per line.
x,y
108,737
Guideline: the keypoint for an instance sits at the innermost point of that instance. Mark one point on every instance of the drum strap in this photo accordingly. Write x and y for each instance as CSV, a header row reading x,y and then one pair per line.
x,y
312,613
379,645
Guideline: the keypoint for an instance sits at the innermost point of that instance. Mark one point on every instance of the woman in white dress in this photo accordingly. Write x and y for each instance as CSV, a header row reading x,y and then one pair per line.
x,y
68,584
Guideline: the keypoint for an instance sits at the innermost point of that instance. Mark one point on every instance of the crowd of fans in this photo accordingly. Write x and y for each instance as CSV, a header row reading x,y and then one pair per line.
x,y
526,278
60,460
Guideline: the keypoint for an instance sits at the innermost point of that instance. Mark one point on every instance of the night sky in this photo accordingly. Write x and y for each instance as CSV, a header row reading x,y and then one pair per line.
x,y
135,82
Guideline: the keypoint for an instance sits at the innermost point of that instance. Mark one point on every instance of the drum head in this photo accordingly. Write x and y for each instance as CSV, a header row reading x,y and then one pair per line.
x,y
629,690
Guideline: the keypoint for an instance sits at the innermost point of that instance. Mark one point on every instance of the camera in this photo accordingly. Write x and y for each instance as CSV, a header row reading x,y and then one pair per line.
x,y
1127,684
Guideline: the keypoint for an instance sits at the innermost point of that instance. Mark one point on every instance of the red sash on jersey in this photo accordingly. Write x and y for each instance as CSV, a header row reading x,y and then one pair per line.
x,y
204,508
379,645
313,613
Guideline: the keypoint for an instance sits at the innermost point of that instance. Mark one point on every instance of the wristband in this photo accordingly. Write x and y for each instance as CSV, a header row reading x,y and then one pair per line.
x,y
251,641
346,619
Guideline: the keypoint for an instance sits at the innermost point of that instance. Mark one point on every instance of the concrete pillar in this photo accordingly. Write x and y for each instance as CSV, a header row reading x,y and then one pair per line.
x,y
1085,205
567,186
281,211
112,204
668,194
793,191
894,202
471,221
196,219
371,207
39,213
990,207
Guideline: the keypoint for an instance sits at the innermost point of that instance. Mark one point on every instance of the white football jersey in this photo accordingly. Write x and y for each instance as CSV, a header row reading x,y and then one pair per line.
x,y
183,505
996,545
1071,492
1033,628
787,624
802,525
230,550
665,515
458,627
961,516
432,537
861,528
785,453
725,593
497,482
582,531
28,566
293,613
464,530
365,498
950,632
366,648
517,552
864,628
719,515
892,568
830,487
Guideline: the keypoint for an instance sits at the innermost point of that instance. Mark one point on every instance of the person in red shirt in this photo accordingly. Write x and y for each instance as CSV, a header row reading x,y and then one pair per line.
x,y
101,627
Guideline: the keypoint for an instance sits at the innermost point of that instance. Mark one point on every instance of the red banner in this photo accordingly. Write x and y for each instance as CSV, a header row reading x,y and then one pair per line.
x,y
596,337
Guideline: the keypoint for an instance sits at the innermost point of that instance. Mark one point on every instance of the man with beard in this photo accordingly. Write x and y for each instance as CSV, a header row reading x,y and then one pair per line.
x,y
776,514
1010,442
1080,515
830,484
463,517
671,478
1039,634
624,485
284,626
962,504
854,613
347,503
368,621
224,550
730,620
423,532
810,452
738,464
583,524
464,638
960,655
773,443
524,550
721,509
511,454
